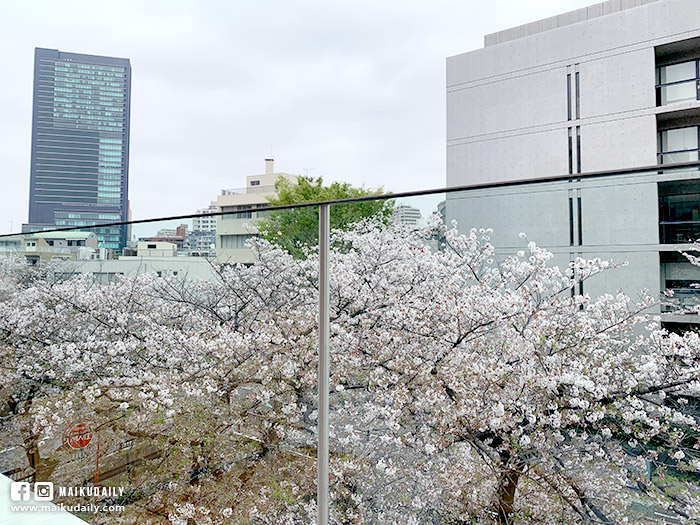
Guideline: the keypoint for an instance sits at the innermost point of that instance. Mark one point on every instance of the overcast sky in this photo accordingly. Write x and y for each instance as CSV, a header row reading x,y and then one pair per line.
x,y
347,90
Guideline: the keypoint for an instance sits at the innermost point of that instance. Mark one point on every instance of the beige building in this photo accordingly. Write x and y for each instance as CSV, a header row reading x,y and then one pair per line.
x,y
156,249
237,225
43,247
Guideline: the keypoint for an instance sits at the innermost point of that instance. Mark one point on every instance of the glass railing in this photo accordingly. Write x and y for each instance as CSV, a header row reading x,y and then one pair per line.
x,y
495,356
682,300
678,92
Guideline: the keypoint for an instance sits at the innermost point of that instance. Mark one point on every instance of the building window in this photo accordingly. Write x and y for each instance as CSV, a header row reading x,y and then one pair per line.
x,y
241,215
677,83
151,247
678,145
255,183
679,212
233,241
578,149
568,96
578,97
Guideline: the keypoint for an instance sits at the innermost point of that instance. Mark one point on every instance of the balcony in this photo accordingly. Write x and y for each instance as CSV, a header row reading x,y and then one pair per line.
x,y
683,301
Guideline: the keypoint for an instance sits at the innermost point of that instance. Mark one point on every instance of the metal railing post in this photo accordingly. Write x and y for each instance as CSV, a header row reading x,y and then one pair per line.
x,y
323,358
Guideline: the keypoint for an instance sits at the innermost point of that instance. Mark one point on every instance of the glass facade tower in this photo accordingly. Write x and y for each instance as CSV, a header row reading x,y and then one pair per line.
x,y
80,144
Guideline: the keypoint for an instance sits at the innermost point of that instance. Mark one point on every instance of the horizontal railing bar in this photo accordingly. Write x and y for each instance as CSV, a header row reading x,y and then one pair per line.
x,y
399,195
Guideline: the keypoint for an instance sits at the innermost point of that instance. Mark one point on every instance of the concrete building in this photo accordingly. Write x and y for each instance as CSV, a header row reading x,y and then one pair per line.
x,y
235,227
156,249
175,236
205,223
201,241
41,248
200,244
608,87
162,266
406,215
80,144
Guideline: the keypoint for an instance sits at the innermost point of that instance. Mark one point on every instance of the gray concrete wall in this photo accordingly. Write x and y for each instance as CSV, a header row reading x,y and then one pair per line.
x,y
618,222
507,103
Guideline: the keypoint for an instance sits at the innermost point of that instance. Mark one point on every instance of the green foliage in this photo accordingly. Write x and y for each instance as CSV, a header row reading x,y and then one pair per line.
x,y
296,228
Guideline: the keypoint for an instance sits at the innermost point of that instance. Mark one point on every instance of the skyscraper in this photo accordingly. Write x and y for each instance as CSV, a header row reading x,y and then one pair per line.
x,y
80,143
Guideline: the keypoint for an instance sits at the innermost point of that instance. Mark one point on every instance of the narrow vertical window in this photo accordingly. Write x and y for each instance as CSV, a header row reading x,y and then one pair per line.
x,y
580,289
571,221
568,96
580,223
578,97
578,149
571,152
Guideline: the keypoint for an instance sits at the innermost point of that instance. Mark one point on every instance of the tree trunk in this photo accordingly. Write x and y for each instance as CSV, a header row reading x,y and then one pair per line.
x,y
505,495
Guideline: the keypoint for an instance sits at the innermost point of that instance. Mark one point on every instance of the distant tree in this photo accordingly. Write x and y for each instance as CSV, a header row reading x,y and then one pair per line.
x,y
296,228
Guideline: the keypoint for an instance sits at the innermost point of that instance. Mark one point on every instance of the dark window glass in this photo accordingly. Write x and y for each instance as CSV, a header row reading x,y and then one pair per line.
x,y
568,97
578,149
578,96
580,224
571,221
571,153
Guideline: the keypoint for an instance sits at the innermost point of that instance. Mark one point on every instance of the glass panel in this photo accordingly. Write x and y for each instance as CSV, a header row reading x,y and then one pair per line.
x,y
677,72
680,139
462,356
678,92
386,467
681,207
673,158
680,213
424,375
680,233
172,383
687,300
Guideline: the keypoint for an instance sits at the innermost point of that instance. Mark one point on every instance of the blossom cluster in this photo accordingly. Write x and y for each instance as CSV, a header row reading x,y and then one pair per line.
x,y
466,386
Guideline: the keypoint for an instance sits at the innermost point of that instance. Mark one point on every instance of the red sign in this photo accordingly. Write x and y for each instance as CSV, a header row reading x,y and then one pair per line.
x,y
77,435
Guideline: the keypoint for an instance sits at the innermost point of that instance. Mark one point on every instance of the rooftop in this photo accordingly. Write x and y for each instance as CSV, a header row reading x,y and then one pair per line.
x,y
565,19
63,235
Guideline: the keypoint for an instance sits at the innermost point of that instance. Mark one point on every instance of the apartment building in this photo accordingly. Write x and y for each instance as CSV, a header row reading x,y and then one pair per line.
x,y
610,87
44,247
407,215
238,224
201,241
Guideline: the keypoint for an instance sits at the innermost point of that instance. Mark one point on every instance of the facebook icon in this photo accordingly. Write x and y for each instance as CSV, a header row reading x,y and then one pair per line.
x,y
19,491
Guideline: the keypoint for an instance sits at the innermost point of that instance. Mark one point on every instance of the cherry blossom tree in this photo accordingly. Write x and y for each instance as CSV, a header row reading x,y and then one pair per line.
x,y
467,387
557,398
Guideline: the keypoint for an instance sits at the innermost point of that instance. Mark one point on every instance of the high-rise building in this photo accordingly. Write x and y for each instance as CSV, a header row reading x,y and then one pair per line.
x,y
80,144
614,86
